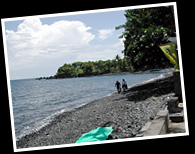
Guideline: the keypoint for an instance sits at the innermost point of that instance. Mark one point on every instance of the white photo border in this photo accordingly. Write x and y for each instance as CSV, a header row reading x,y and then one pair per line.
x,y
86,12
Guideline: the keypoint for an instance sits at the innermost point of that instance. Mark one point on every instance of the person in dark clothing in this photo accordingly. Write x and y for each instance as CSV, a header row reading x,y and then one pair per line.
x,y
118,86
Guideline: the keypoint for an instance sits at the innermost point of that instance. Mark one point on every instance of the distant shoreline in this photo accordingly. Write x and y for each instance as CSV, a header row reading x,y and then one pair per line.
x,y
107,74
53,77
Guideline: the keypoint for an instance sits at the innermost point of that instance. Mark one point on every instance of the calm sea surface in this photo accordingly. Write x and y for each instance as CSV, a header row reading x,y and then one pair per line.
x,y
36,102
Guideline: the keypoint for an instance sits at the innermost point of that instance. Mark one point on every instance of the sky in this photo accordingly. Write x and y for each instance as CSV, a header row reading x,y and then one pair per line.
x,y
38,45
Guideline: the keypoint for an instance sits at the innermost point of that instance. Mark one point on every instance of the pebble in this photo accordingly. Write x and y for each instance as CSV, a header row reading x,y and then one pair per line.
x,y
124,116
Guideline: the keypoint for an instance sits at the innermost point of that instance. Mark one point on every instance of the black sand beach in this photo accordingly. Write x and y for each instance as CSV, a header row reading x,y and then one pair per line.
x,y
126,113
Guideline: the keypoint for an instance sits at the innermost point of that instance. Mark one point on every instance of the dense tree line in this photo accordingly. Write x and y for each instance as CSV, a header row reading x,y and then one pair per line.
x,y
91,68
145,29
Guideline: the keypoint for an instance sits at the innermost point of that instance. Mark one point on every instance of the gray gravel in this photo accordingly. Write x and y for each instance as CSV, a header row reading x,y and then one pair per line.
x,y
126,113
126,117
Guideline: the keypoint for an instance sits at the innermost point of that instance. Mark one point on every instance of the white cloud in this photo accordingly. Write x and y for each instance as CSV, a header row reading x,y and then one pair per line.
x,y
105,33
33,36
40,48
100,52
33,39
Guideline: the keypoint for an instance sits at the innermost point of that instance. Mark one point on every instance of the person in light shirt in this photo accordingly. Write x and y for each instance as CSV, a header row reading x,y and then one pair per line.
x,y
124,85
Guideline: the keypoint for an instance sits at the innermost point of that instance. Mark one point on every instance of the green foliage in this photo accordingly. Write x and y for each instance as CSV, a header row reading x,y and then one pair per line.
x,y
145,29
170,52
90,68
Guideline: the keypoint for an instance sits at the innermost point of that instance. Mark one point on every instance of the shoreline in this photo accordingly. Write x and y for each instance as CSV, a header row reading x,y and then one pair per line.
x,y
124,112
108,74
49,120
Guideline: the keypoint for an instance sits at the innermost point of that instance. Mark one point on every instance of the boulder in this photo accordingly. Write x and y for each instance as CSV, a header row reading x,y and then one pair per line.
x,y
177,85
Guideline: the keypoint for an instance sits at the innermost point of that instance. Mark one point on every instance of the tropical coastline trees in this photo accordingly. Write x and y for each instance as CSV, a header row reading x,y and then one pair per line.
x,y
144,30
91,68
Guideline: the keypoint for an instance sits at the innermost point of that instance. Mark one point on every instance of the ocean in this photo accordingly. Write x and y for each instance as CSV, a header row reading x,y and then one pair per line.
x,y
36,102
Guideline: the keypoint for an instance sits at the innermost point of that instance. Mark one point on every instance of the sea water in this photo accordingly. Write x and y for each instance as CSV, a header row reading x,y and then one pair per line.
x,y
36,102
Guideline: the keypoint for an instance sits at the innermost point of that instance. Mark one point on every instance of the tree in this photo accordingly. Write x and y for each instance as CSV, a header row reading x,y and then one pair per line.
x,y
66,71
77,64
81,69
145,29
87,68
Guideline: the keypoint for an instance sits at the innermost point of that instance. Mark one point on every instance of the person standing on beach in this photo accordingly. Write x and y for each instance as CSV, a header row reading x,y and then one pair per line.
x,y
118,86
124,85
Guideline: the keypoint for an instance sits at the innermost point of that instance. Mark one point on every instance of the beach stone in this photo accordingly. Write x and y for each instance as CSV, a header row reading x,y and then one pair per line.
x,y
156,87
133,133
151,118
126,114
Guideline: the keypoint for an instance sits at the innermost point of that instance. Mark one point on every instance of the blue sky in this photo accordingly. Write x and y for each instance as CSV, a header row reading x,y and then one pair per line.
x,y
39,45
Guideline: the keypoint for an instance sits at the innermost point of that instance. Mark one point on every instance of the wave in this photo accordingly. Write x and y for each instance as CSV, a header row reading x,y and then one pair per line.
x,y
37,126
74,104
